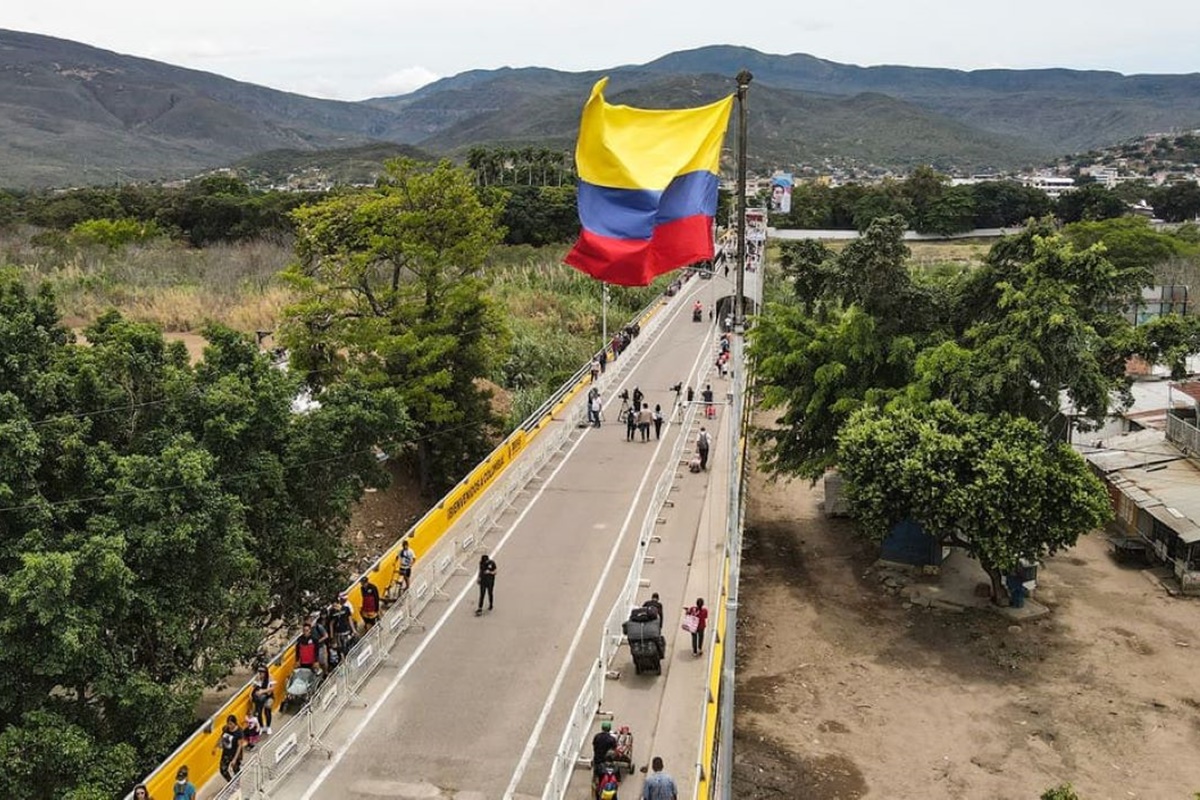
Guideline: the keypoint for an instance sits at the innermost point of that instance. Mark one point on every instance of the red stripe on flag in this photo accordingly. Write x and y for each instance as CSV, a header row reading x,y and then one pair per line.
x,y
637,262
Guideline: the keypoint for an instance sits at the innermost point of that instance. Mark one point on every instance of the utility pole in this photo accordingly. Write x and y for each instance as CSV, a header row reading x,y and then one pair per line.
x,y
739,312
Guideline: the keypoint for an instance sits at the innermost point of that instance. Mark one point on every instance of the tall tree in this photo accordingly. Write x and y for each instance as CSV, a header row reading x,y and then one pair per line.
x,y
153,516
392,285
992,485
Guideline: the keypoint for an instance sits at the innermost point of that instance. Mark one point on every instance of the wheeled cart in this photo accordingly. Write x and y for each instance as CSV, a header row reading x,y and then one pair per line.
x,y
646,645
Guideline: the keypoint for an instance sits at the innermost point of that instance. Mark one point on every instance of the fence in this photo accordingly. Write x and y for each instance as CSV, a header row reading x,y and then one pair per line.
x,y
473,507
591,695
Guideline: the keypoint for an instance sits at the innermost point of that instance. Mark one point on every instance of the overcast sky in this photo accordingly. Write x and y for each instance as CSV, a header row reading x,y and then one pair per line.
x,y
352,49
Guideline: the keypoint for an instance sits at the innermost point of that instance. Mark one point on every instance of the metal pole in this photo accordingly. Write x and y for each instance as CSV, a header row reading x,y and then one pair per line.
x,y
739,314
604,316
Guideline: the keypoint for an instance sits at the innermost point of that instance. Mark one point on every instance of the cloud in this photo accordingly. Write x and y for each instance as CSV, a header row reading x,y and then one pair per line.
x,y
404,81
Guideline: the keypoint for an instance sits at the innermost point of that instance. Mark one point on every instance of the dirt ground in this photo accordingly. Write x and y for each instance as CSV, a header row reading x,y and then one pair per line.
x,y
844,693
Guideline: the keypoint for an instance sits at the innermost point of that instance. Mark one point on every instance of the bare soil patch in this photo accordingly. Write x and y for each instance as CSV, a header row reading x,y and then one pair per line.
x,y
845,693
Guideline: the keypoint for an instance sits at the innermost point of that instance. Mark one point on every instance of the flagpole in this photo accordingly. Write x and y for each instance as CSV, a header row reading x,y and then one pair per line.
x,y
739,312
604,316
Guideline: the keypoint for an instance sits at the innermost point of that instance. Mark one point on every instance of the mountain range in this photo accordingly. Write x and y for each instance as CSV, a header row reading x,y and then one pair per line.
x,y
73,114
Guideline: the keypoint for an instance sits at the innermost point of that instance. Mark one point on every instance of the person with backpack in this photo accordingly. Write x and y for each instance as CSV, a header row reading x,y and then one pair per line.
x,y
702,445
608,782
183,788
308,649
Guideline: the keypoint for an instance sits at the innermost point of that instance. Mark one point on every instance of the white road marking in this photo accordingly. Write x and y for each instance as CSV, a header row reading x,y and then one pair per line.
x,y
536,734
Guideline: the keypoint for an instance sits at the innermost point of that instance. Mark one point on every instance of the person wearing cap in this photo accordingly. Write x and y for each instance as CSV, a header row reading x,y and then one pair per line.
x,y
370,602
183,788
604,745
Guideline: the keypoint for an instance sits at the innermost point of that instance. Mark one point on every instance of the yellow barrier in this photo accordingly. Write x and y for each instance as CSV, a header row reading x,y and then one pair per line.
x,y
197,752
713,701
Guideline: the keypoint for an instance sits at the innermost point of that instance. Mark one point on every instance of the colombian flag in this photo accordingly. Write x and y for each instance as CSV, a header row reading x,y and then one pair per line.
x,y
647,188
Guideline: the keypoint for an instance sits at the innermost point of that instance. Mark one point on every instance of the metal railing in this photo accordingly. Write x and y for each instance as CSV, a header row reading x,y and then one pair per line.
x,y
591,695
286,748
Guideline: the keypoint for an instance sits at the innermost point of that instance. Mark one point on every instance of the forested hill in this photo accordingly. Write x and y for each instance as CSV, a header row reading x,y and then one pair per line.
x,y
74,114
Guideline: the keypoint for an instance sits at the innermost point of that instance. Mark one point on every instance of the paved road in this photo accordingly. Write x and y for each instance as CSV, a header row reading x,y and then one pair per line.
x,y
474,707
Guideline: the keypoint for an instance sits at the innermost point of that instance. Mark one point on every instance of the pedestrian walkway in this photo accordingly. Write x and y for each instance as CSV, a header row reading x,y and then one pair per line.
x,y
475,707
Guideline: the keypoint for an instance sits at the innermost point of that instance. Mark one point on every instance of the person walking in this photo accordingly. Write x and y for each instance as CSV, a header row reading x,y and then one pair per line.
x,y
407,559
644,418
594,408
604,744
603,360
183,789
659,785
701,614
487,582
702,445
658,421
369,611
231,744
631,421
263,697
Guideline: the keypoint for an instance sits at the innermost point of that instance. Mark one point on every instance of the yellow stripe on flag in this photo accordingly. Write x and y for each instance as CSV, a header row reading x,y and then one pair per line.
x,y
621,147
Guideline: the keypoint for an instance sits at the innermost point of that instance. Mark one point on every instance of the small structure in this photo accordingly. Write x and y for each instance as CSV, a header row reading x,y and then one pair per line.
x,y
1154,483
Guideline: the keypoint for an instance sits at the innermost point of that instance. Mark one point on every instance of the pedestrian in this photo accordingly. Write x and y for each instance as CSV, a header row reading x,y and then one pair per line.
x,y
594,408
407,559
230,744
140,792
326,654
655,604
644,420
308,649
702,445
487,582
631,421
658,421
659,785
263,697
595,369
341,619
701,614
251,730
604,744
707,397
183,788
603,360
369,611
691,395
638,397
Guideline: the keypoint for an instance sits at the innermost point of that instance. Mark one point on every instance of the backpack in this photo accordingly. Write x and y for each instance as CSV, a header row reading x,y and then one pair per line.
x,y
607,788
642,614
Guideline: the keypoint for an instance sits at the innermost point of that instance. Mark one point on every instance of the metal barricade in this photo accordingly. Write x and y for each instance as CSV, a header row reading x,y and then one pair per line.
x,y
327,702
284,750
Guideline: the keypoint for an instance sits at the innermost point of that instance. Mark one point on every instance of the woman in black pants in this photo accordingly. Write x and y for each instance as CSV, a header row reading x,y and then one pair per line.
x,y
486,581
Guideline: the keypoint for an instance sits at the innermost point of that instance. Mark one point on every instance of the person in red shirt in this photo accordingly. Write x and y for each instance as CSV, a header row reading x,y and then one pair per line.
x,y
369,611
700,612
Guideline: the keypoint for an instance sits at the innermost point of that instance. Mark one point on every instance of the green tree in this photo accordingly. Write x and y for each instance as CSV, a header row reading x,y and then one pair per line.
x,y
1064,791
992,485
392,285
1177,202
153,516
807,263
818,374
1089,203
952,211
